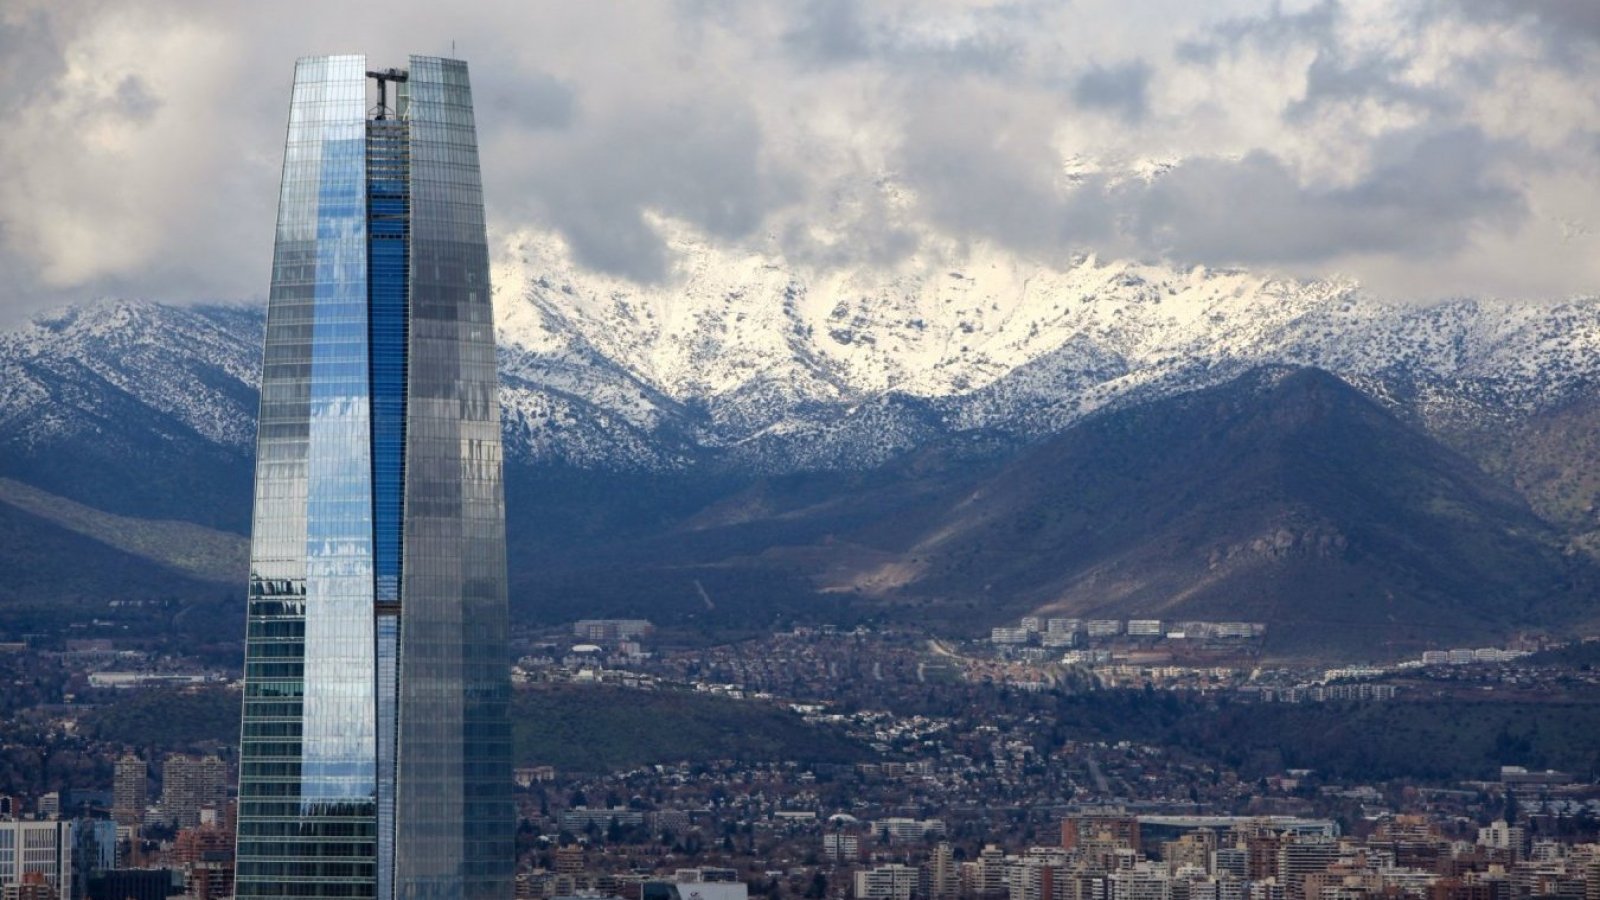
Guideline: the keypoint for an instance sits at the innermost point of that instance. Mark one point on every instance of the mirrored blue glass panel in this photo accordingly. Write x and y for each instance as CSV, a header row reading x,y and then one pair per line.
x,y
375,749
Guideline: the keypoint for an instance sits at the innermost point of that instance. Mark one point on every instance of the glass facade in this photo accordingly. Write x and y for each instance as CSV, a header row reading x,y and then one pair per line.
x,y
454,821
375,747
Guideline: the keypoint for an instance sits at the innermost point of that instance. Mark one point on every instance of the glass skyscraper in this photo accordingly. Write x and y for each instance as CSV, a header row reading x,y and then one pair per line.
x,y
375,748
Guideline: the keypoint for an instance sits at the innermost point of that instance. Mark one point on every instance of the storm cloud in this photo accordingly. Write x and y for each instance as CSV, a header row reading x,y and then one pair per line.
x,y
1119,88
1426,147
1422,199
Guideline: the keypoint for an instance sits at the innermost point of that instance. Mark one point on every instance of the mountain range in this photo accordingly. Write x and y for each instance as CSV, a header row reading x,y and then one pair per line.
x,y
962,439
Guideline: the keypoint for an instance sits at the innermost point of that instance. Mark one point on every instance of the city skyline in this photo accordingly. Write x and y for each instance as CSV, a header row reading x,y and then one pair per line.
x,y
375,756
820,450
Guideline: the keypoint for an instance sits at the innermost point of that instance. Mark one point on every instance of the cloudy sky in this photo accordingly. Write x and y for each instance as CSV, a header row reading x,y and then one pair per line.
x,y
1426,147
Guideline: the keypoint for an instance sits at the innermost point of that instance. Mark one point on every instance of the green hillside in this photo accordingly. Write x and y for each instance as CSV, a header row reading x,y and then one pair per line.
x,y
598,729
1431,740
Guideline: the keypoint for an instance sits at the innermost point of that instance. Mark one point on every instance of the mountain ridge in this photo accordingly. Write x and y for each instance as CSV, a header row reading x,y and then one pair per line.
x,y
648,421
1282,486
992,341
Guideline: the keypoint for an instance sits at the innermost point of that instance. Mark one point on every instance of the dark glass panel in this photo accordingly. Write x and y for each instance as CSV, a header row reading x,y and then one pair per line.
x,y
454,815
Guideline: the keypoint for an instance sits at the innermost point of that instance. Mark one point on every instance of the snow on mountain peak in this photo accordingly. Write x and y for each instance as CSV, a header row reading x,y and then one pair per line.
x,y
61,371
747,356
742,346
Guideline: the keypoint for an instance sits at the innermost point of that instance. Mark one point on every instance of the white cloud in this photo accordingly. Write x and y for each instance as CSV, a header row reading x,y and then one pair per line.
x,y
142,141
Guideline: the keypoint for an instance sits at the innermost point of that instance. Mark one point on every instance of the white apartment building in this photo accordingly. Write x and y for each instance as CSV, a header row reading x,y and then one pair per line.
x,y
888,882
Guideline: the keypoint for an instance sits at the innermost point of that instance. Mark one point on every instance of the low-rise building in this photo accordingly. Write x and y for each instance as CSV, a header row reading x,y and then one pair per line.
x,y
887,882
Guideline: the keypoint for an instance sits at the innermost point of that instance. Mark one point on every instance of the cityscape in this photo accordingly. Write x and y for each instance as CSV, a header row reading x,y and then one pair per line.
x,y
817,450
834,762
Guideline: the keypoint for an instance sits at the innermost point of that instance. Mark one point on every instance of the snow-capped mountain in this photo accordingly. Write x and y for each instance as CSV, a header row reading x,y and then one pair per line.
x,y
770,366
197,366
747,362
135,408
678,399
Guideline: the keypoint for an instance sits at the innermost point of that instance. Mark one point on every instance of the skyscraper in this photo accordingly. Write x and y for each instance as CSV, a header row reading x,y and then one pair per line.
x,y
375,750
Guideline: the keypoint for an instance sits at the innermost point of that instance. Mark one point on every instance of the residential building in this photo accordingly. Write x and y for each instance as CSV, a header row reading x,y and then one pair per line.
x,y
841,847
190,786
887,882
990,876
205,856
1503,836
1302,856
130,790
1143,881
944,880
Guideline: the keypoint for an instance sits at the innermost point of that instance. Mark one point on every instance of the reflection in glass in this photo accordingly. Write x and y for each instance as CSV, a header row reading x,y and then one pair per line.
x,y
375,748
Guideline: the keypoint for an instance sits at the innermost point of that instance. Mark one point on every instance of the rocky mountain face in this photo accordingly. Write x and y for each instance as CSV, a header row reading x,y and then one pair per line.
x,y
136,409
1283,496
790,444
754,365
